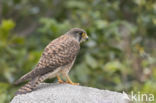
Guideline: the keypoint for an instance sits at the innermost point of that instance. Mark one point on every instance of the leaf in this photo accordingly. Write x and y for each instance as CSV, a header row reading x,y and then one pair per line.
x,y
17,40
81,71
100,24
5,28
91,61
76,4
7,25
4,86
113,66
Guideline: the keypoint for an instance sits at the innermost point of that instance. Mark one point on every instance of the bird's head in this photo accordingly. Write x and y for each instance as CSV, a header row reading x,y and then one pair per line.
x,y
79,34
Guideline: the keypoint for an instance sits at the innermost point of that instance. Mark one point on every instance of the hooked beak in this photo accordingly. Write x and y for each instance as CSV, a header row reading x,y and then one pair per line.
x,y
85,36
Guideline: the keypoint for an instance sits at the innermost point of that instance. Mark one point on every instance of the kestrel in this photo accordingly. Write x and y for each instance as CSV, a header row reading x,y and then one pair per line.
x,y
57,59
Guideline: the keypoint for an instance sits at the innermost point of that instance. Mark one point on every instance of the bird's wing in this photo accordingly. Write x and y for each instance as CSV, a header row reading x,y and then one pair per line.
x,y
58,53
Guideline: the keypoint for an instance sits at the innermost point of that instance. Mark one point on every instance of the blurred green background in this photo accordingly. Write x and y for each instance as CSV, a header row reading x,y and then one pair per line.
x,y
120,54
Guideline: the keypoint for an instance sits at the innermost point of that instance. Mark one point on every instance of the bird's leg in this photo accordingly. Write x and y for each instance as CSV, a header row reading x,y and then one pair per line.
x,y
59,79
69,80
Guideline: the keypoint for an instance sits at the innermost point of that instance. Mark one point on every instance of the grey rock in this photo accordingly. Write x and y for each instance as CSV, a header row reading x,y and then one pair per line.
x,y
65,93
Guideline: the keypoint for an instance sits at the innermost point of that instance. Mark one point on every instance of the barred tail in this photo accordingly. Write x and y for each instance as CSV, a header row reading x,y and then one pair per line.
x,y
25,89
23,78
30,86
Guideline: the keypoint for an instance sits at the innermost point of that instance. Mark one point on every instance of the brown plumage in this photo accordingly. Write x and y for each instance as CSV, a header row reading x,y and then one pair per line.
x,y
57,58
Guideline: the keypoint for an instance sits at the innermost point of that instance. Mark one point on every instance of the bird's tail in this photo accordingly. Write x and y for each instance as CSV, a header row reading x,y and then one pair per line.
x,y
30,86
23,78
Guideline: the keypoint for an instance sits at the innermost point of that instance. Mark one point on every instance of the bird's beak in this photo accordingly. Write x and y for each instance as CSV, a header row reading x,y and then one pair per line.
x,y
85,36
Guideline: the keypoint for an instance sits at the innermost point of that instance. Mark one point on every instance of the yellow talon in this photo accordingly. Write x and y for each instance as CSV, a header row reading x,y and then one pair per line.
x,y
59,80
70,82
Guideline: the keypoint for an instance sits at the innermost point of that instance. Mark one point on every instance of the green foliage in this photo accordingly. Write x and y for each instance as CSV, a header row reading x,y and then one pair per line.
x,y
120,54
15,59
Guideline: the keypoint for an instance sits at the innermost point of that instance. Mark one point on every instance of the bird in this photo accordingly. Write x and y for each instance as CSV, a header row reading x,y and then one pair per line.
x,y
56,60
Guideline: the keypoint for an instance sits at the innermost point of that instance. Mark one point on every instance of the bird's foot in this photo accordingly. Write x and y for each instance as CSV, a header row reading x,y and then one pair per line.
x,y
72,83
61,82
69,81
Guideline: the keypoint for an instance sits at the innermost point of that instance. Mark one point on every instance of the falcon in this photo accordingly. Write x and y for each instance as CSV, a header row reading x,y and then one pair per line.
x,y
57,59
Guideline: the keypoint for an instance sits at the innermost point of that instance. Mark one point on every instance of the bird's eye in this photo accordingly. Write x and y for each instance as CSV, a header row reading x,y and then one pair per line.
x,y
81,33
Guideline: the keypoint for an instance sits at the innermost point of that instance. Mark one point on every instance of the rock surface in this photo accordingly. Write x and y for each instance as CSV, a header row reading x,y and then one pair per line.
x,y
65,93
